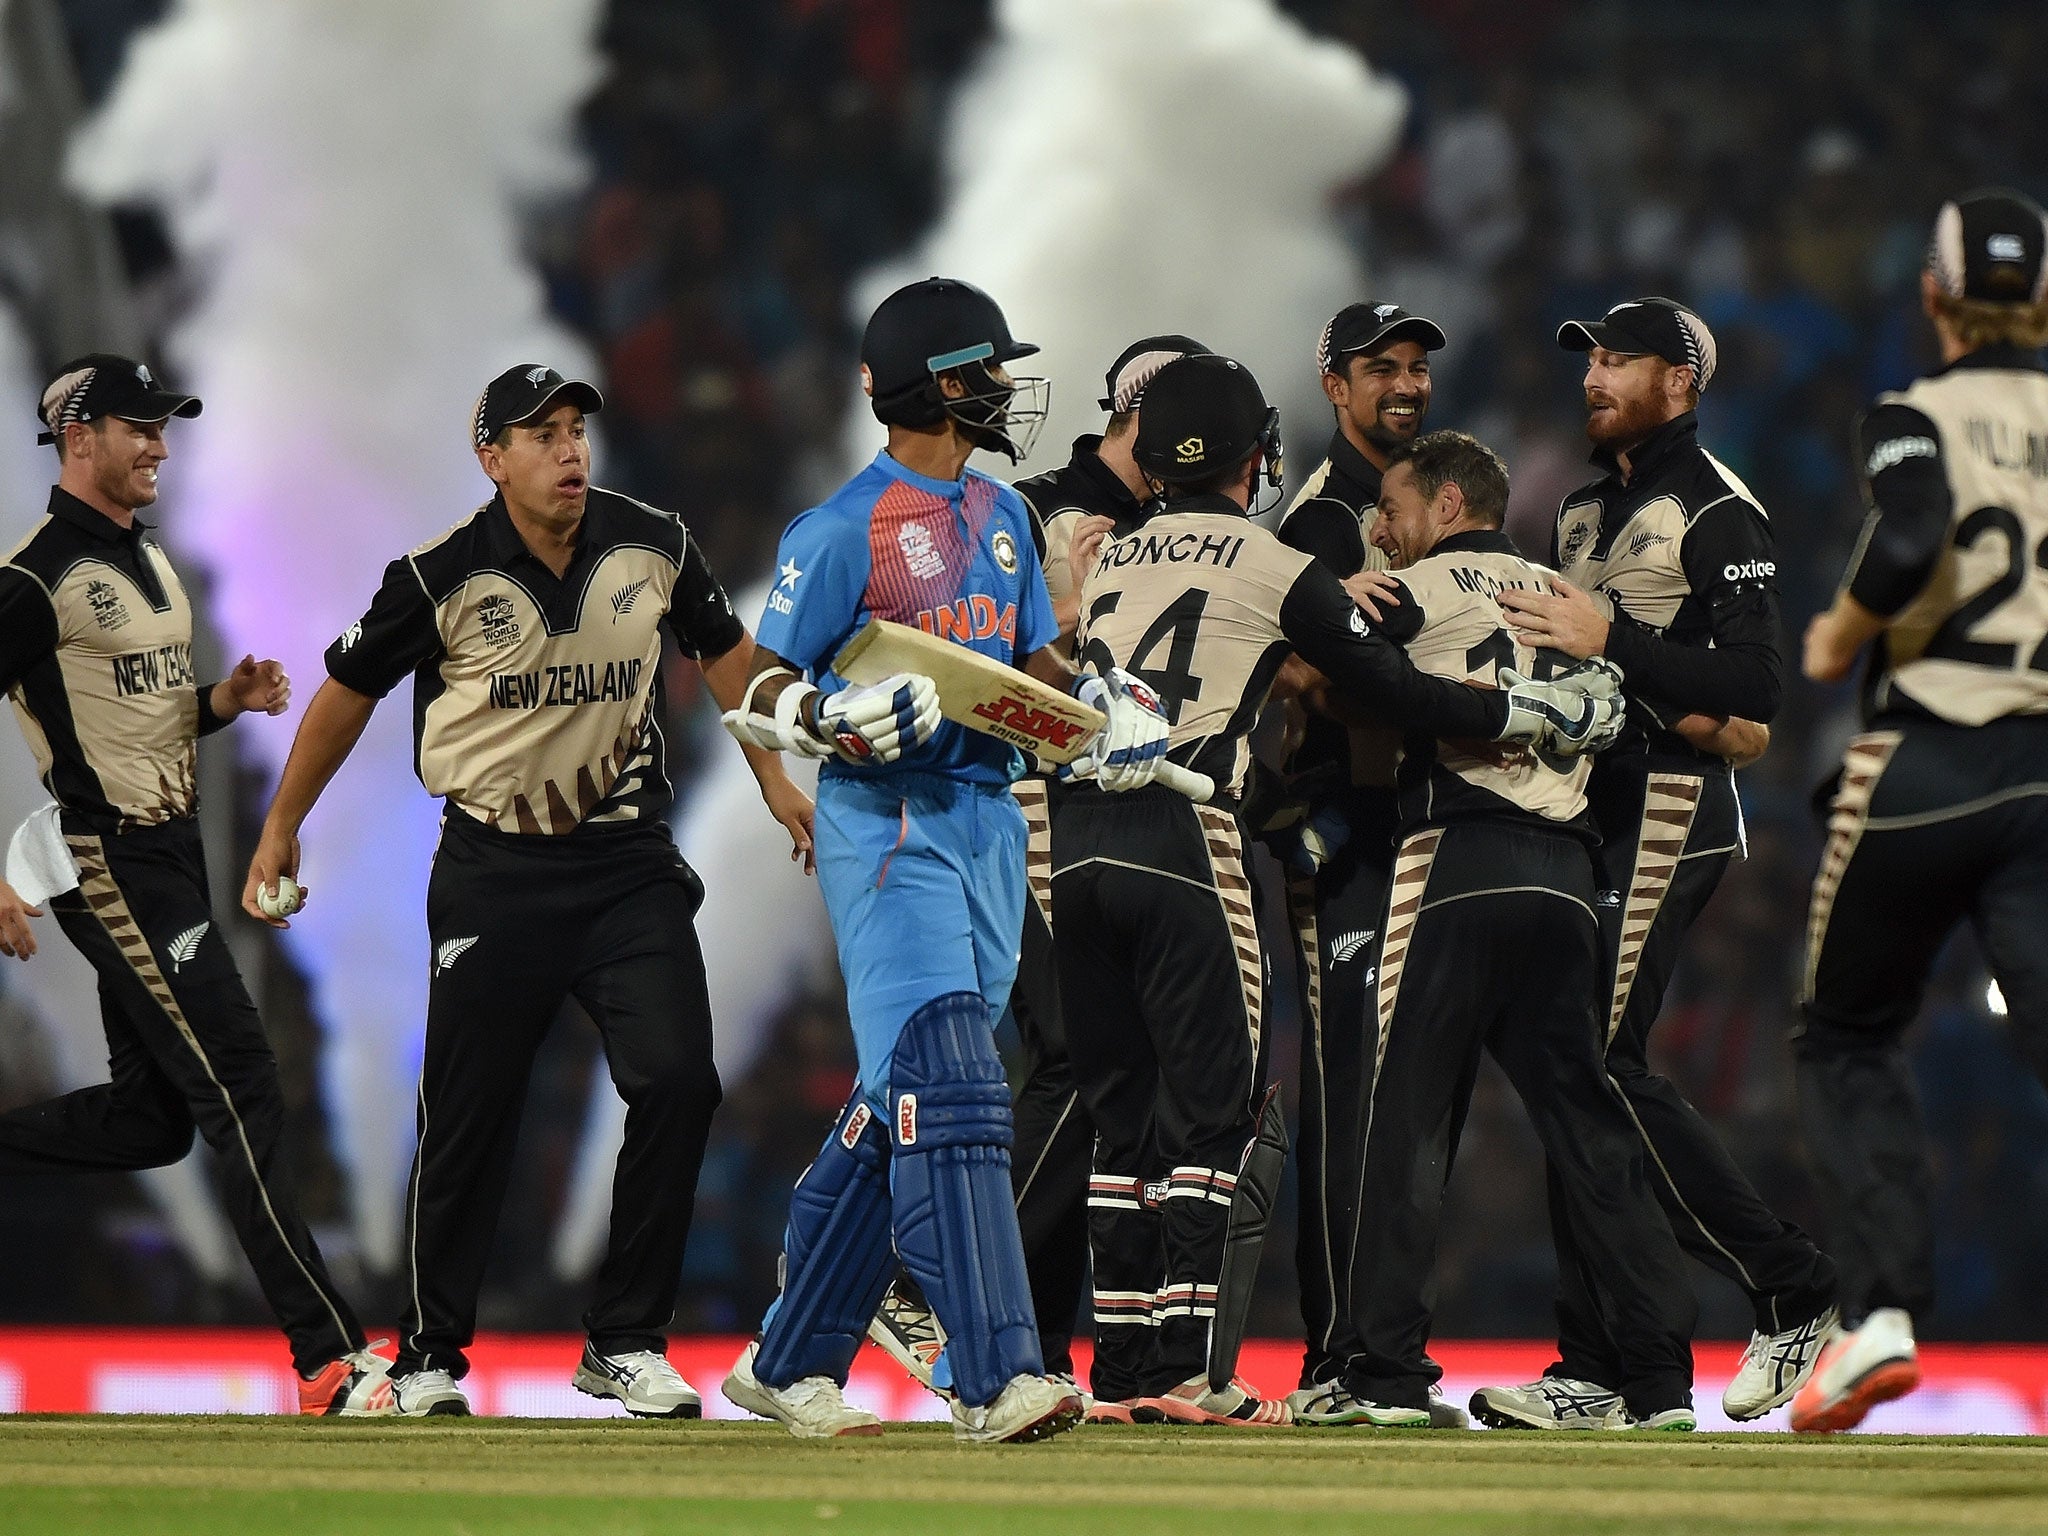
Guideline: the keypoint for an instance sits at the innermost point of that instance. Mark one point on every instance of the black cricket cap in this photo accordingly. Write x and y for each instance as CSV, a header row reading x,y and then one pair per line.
x,y
1651,327
927,327
523,392
1369,327
107,384
1991,246
1203,415
1138,364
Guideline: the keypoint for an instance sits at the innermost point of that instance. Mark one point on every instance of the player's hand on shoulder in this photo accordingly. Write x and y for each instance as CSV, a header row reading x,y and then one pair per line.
x,y
1131,745
1577,711
1374,592
879,722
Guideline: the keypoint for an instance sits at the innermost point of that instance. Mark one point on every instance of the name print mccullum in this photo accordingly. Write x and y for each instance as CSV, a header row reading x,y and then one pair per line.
x,y
584,682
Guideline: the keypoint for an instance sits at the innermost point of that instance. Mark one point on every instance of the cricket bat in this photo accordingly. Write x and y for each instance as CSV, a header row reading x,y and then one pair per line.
x,y
982,694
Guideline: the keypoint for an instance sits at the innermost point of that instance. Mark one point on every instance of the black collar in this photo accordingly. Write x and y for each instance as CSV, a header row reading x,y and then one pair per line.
x,y
503,545
1208,501
93,521
1997,355
1680,432
1106,484
1354,479
1476,541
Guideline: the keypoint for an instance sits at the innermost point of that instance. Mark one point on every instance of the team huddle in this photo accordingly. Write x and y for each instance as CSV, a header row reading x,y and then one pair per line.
x,y
1500,788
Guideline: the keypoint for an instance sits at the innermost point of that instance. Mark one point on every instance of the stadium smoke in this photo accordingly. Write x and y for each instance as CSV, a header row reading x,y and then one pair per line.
x,y
346,187
1116,168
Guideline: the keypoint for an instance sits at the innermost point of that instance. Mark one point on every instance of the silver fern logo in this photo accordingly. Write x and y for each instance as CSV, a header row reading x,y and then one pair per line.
x,y
453,951
186,945
625,597
1348,946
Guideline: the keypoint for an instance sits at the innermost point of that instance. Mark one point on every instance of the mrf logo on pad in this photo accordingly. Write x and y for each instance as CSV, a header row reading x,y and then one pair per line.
x,y
855,1124
906,1120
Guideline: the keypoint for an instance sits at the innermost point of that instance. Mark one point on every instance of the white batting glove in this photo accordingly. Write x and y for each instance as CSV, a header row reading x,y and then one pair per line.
x,y
1579,711
881,721
1128,750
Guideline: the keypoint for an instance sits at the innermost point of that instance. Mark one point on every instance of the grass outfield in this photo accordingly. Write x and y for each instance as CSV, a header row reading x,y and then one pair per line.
x,y
499,1477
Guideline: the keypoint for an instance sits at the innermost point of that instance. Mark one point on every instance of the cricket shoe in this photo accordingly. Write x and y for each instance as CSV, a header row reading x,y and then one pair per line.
x,y
1193,1402
644,1381
1332,1404
907,1330
1444,1414
1775,1366
357,1386
1858,1369
1551,1402
1107,1411
1670,1421
1029,1408
811,1409
429,1395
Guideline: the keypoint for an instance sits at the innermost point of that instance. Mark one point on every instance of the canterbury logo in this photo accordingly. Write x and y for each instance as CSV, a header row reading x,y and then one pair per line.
x,y
1348,946
1188,450
186,945
625,597
453,951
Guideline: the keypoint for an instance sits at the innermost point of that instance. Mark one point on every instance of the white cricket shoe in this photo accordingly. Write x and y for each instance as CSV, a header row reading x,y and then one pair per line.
x,y
1333,1404
1858,1369
811,1409
644,1381
1444,1414
907,1330
1029,1408
1551,1402
1775,1366
428,1395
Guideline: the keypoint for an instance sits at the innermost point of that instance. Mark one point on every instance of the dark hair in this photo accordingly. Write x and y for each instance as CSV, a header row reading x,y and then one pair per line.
x,y
1454,458
1120,422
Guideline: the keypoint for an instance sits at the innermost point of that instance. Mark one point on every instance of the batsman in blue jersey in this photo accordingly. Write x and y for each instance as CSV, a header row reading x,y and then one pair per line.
x,y
920,851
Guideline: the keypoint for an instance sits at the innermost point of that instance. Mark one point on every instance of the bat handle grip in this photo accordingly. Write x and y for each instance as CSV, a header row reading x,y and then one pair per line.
x,y
1198,787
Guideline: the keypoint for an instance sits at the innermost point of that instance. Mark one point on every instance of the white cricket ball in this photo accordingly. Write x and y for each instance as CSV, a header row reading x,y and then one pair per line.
x,y
280,900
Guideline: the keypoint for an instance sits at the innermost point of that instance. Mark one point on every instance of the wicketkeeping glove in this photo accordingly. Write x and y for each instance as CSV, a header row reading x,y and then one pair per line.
x,y
1127,751
1577,711
880,722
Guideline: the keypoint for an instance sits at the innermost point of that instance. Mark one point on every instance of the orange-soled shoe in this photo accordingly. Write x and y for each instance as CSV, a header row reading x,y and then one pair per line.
x,y
357,1386
1858,1368
1193,1403
1107,1412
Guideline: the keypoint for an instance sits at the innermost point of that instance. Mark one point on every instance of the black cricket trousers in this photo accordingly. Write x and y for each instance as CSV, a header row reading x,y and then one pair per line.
x,y
185,1047
519,923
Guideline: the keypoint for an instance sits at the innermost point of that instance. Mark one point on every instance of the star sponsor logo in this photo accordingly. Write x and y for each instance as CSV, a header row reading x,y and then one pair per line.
x,y
779,599
495,614
1005,549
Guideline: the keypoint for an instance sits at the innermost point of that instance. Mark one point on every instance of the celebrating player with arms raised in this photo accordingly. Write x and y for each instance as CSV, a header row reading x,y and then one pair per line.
x,y
921,862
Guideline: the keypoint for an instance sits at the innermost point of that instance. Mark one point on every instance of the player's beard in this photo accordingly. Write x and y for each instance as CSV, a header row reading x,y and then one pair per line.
x,y
1625,423
1386,437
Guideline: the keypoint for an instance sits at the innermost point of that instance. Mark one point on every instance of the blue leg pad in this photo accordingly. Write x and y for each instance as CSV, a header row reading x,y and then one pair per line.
x,y
956,1217
836,1254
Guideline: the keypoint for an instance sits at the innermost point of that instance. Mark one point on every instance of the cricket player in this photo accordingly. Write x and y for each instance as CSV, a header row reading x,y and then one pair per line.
x,y
1099,492
96,656
1489,939
1939,813
1671,573
532,632
920,848
1161,978
1373,360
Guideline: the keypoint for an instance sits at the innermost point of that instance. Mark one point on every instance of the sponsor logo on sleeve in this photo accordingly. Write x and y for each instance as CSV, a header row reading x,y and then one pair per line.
x,y
1750,570
1896,450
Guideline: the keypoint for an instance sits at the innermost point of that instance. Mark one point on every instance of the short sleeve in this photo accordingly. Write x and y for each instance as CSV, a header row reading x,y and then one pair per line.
x,y
700,614
28,625
382,648
821,571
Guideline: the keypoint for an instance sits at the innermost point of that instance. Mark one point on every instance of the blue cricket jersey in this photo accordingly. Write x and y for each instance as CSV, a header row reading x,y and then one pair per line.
x,y
953,557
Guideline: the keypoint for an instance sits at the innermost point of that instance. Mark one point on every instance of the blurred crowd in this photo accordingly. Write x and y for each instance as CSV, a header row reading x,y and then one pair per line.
x,y
1776,166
